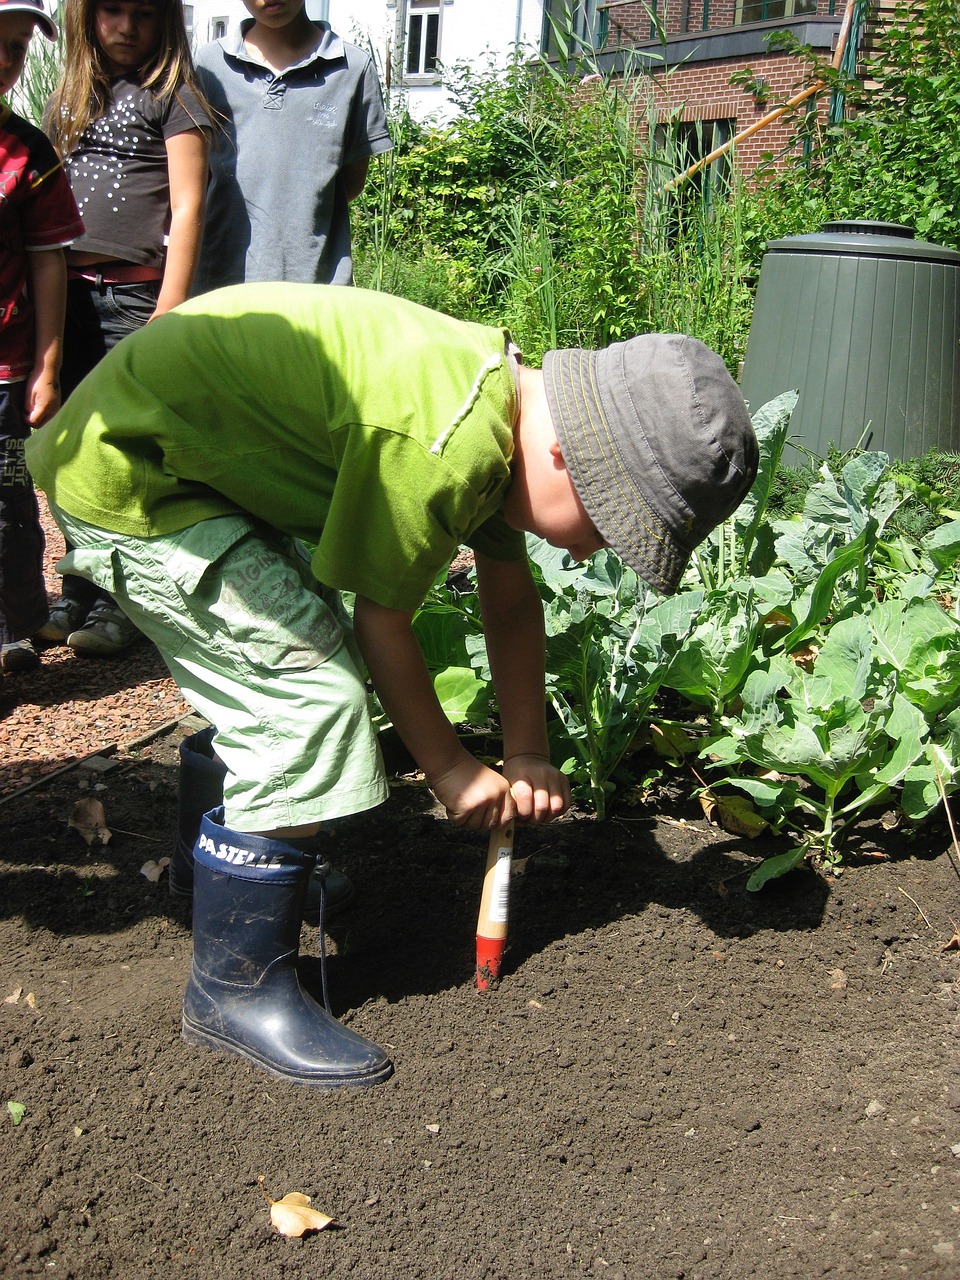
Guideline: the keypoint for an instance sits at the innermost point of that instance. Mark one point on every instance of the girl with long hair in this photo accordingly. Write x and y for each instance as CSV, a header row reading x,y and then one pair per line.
x,y
132,128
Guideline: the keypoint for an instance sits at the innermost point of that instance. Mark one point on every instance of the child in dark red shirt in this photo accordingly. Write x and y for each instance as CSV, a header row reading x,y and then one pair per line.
x,y
38,216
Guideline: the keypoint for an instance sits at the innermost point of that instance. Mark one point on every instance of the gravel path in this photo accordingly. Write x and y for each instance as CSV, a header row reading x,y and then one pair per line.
x,y
72,706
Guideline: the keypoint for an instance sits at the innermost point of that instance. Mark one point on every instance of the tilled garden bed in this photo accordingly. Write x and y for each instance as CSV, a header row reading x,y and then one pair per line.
x,y
675,1078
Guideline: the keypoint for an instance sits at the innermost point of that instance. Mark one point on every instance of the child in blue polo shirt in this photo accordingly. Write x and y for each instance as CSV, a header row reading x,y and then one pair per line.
x,y
303,113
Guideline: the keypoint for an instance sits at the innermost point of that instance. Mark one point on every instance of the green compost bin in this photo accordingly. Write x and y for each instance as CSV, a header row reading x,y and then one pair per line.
x,y
864,320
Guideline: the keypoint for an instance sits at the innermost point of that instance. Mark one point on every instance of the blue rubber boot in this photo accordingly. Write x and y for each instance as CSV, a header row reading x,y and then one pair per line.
x,y
200,790
244,996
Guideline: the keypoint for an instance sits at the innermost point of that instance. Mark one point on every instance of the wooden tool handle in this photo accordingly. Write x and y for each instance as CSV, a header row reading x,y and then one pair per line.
x,y
495,899
494,905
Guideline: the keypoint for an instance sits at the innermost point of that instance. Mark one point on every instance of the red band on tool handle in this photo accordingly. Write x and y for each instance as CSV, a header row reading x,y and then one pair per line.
x,y
494,906
489,956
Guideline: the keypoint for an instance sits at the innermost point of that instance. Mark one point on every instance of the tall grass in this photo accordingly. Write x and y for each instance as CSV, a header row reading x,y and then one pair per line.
x,y
41,70
531,294
555,213
699,271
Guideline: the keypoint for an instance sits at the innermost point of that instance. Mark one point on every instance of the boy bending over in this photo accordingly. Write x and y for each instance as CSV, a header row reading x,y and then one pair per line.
x,y
189,468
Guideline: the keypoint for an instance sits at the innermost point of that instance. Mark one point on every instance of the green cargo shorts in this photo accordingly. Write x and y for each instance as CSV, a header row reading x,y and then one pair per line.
x,y
258,648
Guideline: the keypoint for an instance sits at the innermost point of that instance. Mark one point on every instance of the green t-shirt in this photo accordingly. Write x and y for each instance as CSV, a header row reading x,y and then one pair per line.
x,y
378,431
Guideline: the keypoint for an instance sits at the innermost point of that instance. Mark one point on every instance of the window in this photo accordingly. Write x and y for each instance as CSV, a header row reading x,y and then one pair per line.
x,y
679,145
188,20
765,10
218,28
577,24
423,38
684,142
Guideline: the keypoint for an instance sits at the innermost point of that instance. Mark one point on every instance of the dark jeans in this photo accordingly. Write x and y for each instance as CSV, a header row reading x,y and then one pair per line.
x,y
23,598
97,318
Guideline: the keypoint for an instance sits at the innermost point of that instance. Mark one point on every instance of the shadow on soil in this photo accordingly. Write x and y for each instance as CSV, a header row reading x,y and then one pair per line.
x,y
412,926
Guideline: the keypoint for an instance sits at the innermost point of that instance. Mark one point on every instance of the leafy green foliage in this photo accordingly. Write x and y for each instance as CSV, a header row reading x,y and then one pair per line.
x,y
609,645
712,665
891,157
538,208
933,485
853,702
824,650
829,727
743,547
789,490
447,627
894,159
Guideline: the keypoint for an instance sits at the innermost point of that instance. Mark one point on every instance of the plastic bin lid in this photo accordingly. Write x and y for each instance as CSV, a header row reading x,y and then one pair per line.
x,y
866,239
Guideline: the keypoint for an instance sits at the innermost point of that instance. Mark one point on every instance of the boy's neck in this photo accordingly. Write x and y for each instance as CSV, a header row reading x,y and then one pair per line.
x,y
282,47
532,431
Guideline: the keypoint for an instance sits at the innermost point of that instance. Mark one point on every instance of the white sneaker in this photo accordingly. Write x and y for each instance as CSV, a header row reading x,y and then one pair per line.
x,y
65,616
107,631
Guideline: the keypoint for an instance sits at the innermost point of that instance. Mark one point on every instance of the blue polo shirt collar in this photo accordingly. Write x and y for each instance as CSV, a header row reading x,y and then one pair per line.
x,y
329,49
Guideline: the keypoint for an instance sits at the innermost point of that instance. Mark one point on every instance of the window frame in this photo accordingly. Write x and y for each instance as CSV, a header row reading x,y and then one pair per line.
x,y
694,140
791,9
589,22
423,10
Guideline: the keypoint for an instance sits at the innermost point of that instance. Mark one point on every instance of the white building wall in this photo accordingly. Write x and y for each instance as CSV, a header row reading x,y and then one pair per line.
x,y
472,31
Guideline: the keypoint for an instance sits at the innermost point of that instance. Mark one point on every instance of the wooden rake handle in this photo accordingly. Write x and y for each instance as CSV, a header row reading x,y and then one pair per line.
x,y
494,906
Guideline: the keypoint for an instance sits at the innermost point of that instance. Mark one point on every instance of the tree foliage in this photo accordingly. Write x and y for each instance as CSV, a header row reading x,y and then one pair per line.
x,y
895,159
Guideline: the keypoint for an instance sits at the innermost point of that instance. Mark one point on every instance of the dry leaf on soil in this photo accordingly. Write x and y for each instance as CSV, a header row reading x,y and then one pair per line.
x,y
90,822
734,813
14,998
292,1215
154,870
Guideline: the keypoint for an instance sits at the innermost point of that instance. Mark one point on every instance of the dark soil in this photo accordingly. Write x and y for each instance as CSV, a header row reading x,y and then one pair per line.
x,y
675,1078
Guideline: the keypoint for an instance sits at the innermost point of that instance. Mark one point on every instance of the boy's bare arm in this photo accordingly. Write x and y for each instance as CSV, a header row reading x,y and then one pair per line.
x,y
513,629
354,177
473,795
48,293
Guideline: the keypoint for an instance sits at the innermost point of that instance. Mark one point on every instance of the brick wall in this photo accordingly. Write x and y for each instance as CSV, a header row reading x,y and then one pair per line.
x,y
630,19
703,92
